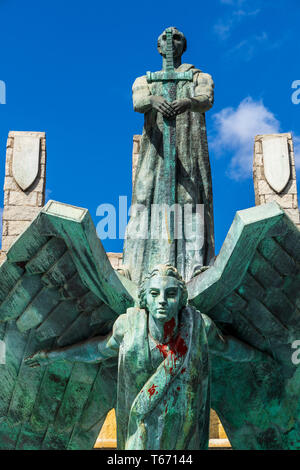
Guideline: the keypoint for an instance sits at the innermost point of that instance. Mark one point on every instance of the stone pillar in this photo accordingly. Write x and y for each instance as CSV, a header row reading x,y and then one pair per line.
x,y
115,259
24,184
274,173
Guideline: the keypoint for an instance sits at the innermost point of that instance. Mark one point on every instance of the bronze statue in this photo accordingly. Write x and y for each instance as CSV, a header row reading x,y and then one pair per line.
x,y
164,365
182,120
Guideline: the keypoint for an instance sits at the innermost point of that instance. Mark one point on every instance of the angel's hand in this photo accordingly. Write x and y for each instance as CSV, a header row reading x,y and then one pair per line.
x,y
38,359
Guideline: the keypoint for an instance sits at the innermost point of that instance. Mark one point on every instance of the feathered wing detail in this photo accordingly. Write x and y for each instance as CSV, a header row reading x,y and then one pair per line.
x,y
57,288
253,293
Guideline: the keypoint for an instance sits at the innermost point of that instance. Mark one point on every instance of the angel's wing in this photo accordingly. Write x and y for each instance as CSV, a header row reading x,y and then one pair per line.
x,y
57,288
253,293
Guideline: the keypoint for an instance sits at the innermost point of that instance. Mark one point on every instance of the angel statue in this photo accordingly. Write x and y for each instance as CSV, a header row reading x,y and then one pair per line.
x,y
163,348
164,367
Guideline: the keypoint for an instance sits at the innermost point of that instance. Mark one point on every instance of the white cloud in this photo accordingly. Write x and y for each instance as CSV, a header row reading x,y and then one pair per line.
x,y
235,130
247,48
224,26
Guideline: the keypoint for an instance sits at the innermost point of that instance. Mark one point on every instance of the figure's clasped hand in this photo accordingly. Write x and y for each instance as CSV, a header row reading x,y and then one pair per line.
x,y
38,359
180,106
160,104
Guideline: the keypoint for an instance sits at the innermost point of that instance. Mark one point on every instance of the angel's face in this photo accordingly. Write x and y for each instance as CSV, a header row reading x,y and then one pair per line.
x,y
163,298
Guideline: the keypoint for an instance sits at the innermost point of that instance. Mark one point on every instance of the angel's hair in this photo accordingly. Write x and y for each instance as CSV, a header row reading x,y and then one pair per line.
x,y
175,31
163,270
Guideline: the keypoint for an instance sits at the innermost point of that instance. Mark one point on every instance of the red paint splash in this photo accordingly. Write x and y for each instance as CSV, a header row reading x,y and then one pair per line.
x,y
163,349
174,347
152,390
178,388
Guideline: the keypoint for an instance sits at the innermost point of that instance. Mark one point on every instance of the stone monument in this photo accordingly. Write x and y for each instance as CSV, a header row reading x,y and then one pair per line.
x,y
78,333
274,173
24,185
173,166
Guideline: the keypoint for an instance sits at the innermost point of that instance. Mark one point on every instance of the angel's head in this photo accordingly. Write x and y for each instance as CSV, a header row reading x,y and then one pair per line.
x,y
163,292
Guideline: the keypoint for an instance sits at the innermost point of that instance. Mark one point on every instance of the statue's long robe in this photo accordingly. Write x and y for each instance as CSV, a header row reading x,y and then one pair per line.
x,y
168,407
193,178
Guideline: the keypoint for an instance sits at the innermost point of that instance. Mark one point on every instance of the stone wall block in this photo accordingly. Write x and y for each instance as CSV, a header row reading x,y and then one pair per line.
x,y
15,227
20,213
4,228
6,197
293,215
10,142
7,241
21,207
20,198
264,193
258,147
285,201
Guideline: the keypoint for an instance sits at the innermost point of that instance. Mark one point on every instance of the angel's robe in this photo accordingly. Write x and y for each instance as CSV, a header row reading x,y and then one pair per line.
x,y
193,180
163,403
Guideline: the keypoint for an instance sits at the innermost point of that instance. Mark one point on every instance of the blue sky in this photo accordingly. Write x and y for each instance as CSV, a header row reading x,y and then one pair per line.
x,y
69,67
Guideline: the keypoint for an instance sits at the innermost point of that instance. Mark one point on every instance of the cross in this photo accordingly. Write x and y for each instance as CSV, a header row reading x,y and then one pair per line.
x,y
170,78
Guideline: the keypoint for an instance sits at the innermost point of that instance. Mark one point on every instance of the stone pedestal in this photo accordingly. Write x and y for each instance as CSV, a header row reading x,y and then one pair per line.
x,y
24,184
273,169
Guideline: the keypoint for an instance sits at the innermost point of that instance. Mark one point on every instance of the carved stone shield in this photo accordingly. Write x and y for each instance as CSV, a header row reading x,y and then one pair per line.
x,y
276,162
26,160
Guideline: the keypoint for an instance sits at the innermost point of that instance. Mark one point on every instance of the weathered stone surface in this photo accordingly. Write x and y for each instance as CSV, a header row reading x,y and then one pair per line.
x,y
280,161
10,184
20,213
276,161
285,201
4,227
115,259
17,227
294,215
2,257
21,207
20,198
26,160
7,242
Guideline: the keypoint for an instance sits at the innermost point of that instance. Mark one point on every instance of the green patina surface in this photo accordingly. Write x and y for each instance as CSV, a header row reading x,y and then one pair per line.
x,y
58,288
158,363
173,167
169,78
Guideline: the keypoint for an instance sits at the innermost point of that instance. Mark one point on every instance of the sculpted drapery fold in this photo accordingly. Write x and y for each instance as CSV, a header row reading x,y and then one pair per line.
x,y
147,393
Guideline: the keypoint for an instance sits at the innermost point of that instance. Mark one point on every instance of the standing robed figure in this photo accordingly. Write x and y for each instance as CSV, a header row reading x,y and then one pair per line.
x,y
193,174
